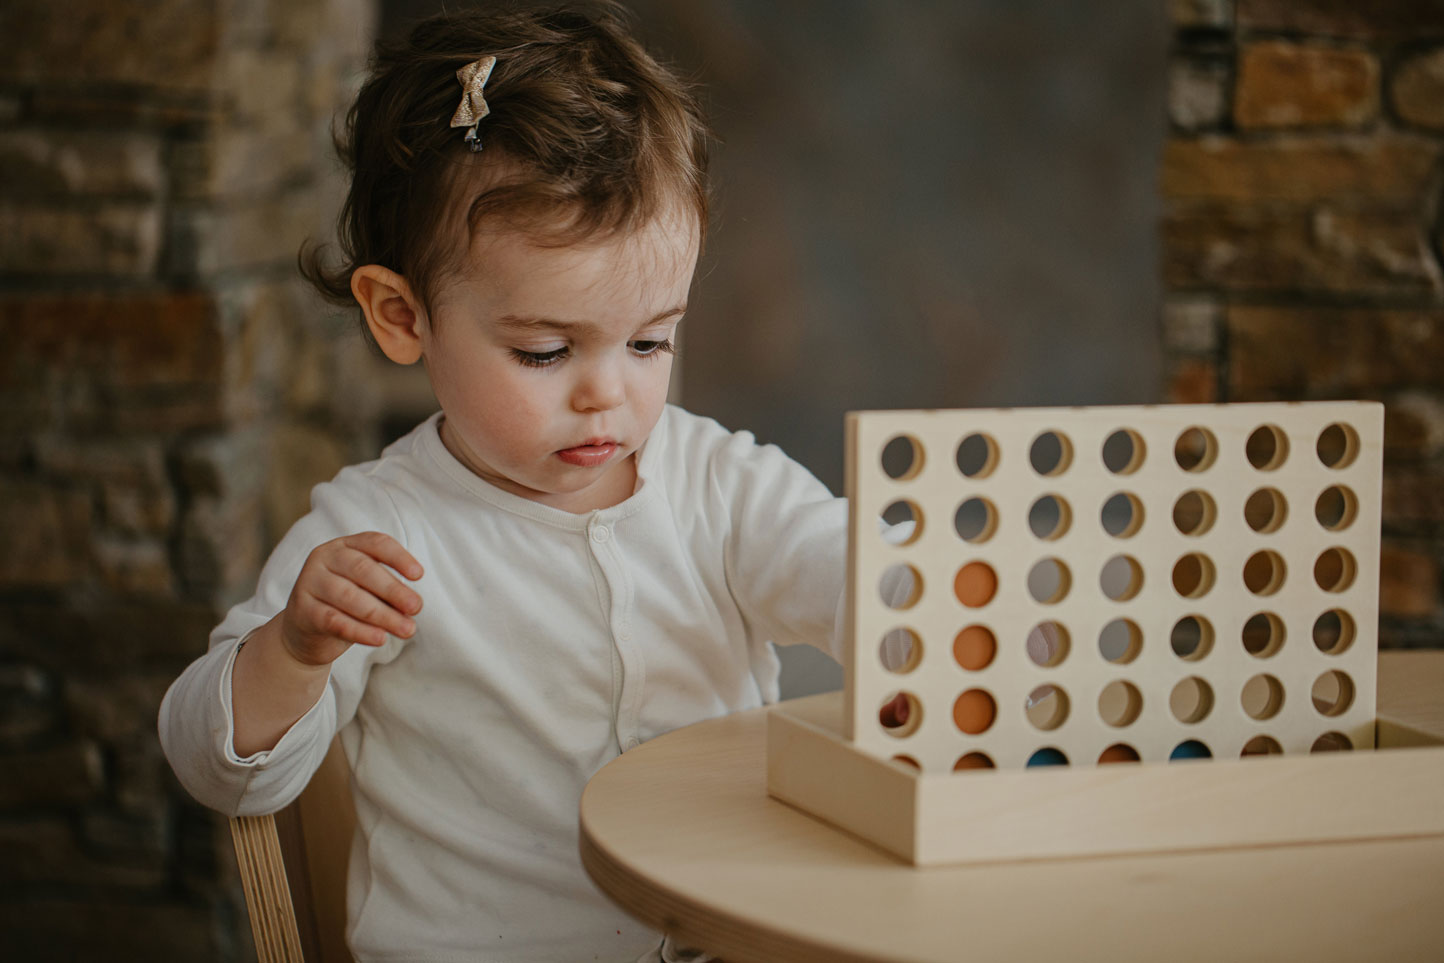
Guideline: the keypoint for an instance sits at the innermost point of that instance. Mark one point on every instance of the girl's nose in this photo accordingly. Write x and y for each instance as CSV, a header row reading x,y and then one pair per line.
x,y
600,389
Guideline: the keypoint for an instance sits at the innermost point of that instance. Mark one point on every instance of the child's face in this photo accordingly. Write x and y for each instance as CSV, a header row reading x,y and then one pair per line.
x,y
552,364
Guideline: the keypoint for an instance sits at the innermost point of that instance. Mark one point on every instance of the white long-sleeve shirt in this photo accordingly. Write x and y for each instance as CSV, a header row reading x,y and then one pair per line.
x,y
549,642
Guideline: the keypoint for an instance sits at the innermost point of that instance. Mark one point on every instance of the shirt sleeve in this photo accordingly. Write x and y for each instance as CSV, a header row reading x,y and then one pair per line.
x,y
196,722
786,544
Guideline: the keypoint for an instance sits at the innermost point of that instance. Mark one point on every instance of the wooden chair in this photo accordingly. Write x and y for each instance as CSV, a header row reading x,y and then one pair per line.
x,y
293,870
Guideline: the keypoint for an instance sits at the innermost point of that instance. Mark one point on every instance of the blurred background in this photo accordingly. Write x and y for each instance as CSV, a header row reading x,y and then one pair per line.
x,y
920,204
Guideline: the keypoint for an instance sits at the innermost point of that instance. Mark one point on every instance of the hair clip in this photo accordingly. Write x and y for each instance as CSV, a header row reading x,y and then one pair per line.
x,y
473,105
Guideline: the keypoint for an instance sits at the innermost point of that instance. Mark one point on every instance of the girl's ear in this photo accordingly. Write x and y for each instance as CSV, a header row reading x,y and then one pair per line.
x,y
391,311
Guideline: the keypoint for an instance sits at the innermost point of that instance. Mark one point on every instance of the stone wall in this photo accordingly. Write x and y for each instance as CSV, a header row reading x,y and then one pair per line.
x,y
1302,239
168,394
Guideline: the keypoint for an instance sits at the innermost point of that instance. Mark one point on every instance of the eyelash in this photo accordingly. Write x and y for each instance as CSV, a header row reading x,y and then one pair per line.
x,y
547,359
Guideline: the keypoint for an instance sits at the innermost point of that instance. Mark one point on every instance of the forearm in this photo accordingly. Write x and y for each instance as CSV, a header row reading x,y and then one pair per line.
x,y
270,690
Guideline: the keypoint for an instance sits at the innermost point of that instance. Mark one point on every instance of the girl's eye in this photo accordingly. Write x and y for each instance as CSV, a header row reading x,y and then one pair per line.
x,y
538,359
648,348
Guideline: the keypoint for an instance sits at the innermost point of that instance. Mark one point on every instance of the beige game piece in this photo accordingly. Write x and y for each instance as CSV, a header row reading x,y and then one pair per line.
x,y
1076,586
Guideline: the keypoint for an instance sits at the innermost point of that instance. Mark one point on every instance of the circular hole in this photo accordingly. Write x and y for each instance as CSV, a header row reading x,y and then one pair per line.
x,y
1120,703
1046,707
974,648
1122,515
900,714
974,711
973,760
1051,453
1332,742
1123,452
1335,569
1265,510
1333,693
1190,749
908,761
976,520
1047,756
1191,700
1194,512
1195,449
1047,644
1049,517
1049,581
902,458
1121,578
1262,746
904,522
1334,632
1193,575
1120,641
1338,446
975,584
1191,638
1336,508
1262,697
900,650
1267,448
1263,573
1263,635
1119,752
900,586
977,456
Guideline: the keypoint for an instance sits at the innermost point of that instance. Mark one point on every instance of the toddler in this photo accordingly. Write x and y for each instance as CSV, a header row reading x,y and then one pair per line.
x,y
557,565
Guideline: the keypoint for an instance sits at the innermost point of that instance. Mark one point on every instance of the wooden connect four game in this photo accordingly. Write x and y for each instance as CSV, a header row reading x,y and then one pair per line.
x,y
1050,591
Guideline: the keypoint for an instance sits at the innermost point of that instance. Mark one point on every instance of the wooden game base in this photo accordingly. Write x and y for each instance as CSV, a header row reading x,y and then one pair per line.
x,y
1003,815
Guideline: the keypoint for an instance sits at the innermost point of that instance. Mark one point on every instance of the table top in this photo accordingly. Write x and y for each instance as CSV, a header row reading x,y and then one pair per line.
x,y
681,833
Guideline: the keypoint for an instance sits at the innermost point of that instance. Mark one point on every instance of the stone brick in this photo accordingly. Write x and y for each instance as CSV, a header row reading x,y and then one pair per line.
x,y
1293,85
1414,500
115,708
137,509
1417,91
27,706
225,465
1197,92
159,43
47,531
221,547
1409,584
1215,14
1383,170
1378,253
1376,19
39,163
1191,325
46,851
1295,353
303,457
130,461
232,163
154,339
105,635
47,930
64,775
116,238
137,567
1192,381
1414,427
240,235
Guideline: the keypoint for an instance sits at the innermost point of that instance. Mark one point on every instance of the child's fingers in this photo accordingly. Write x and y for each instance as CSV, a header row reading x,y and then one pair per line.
x,y
344,595
375,578
386,549
334,623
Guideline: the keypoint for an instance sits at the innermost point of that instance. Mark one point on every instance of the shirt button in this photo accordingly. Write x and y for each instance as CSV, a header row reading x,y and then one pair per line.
x,y
601,533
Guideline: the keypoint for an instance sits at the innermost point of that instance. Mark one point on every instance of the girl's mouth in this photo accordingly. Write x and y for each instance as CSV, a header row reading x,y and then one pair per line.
x,y
589,455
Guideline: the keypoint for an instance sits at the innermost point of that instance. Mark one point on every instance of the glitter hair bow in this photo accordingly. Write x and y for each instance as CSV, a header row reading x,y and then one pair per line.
x,y
473,105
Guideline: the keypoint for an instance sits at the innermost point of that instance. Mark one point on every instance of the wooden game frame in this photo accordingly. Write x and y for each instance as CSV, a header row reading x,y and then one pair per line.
x,y
864,776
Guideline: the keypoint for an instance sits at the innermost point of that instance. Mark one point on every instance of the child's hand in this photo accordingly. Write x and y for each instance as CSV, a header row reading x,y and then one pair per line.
x,y
345,594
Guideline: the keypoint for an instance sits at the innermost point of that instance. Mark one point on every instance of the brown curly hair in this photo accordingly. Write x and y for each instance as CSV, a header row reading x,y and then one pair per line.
x,y
588,135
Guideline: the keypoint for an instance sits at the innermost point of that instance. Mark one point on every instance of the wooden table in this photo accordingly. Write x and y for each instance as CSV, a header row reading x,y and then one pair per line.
x,y
680,832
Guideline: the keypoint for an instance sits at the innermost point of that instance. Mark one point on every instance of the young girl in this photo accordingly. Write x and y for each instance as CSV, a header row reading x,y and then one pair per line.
x,y
555,567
